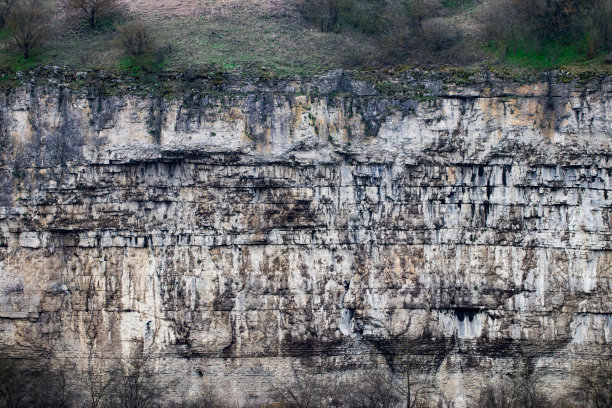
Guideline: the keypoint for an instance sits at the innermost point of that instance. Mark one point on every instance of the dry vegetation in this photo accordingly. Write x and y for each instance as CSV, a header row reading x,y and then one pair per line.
x,y
43,380
306,36
27,22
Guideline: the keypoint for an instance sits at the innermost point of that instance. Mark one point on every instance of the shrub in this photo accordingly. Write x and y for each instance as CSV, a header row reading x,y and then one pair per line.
x,y
137,39
439,33
597,26
365,16
500,21
418,11
325,13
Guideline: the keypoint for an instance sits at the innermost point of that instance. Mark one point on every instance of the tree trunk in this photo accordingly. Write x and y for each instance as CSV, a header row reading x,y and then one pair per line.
x,y
408,396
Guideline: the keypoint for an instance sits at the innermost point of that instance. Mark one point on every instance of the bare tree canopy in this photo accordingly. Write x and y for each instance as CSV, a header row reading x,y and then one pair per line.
x,y
5,8
93,10
519,391
594,388
38,382
28,21
137,39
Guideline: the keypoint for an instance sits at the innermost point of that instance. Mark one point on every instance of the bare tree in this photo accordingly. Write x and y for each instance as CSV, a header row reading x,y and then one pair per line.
x,y
374,389
325,13
597,26
303,392
500,23
208,398
402,25
13,393
420,10
535,21
439,33
55,387
135,382
518,391
29,24
5,8
594,388
137,39
417,390
96,381
36,382
93,10
547,16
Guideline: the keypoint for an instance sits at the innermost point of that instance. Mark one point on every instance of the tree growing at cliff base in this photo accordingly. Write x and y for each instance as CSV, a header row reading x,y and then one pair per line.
x,y
38,382
96,383
518,391
593,388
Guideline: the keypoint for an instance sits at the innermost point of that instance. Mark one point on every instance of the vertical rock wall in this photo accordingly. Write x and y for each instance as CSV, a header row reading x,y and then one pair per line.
x,y
253,232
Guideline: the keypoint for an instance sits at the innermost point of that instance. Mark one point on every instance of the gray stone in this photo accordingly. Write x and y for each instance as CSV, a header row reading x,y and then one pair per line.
x,y
249,236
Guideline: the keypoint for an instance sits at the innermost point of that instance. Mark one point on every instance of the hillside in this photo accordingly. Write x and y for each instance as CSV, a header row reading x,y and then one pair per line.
x,y
278,38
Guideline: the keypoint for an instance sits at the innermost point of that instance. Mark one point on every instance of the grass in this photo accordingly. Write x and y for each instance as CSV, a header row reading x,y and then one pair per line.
x,y
18,63
246,36
457,4
286,46
84,48
244,40
11,60
550,55
136,66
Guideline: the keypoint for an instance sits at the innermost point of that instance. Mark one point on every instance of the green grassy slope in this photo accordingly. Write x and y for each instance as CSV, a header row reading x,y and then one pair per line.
x,y
270,36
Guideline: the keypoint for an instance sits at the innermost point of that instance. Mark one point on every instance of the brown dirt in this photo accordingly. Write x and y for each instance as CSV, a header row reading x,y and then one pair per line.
x,y
158,9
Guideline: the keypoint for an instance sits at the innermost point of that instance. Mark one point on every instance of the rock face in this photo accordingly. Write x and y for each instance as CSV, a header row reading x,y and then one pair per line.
x,y
248,232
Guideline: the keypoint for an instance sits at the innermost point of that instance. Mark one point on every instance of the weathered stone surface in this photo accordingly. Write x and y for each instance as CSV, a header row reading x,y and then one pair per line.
x,y
251,233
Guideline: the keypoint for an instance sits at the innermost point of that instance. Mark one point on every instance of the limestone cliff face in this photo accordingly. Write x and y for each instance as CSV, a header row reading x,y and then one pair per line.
x,y
254,230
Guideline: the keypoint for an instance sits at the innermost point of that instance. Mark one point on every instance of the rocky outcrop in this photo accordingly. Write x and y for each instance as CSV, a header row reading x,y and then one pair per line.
x,y
248,231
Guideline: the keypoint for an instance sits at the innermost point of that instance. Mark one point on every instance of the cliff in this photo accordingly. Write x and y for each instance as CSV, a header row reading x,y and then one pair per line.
x,y
246,231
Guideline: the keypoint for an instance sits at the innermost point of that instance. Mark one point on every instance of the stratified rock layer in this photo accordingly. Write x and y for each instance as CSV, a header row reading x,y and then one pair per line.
x,y
250,232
